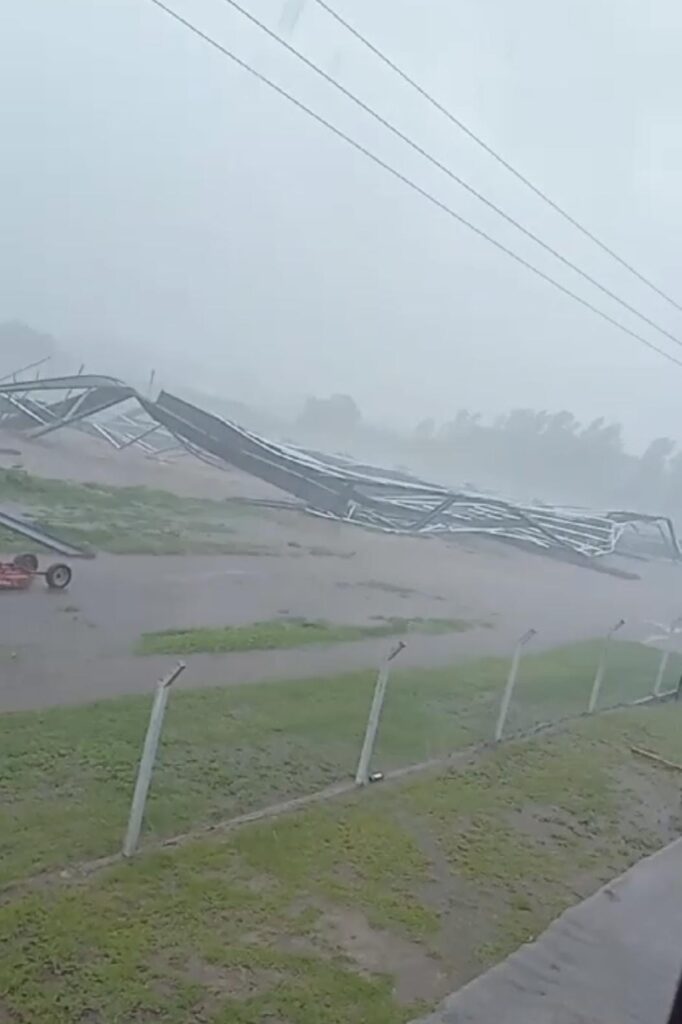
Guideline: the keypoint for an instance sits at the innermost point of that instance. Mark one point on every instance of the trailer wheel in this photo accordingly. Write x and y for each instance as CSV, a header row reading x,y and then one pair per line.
x,y
27,561
58,577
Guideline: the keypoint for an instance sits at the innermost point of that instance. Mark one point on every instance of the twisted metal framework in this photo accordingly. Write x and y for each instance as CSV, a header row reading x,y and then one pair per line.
x,y
326,485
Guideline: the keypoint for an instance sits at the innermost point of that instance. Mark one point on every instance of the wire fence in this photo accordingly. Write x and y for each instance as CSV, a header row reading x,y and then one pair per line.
x,y
364,727
80,783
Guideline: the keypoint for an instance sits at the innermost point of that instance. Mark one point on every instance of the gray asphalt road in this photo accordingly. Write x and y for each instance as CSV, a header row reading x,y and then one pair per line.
x,y
77,645
614,959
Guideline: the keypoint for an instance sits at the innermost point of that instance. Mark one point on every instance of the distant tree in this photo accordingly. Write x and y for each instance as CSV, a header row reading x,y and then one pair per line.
x,y
337,414
674,485
464,424
425,430
21,345
649,482
658,452
525,454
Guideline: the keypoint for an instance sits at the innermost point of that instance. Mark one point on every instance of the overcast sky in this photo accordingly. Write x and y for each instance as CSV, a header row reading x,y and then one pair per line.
x,y
156,200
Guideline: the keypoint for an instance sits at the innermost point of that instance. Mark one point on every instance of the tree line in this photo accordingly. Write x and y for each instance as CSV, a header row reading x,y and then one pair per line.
x,y
524,454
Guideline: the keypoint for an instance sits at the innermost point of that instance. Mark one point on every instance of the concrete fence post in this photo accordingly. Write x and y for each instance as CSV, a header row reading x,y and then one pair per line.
x,y
362,773
511,682
669,633
601,667
662,666
144,772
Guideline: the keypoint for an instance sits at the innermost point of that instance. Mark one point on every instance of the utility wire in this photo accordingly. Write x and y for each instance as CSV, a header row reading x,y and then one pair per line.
x,y
408,181
446,170
493,153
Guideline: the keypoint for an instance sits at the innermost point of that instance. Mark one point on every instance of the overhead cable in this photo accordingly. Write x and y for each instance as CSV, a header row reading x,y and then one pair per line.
x,y
408,181
493,153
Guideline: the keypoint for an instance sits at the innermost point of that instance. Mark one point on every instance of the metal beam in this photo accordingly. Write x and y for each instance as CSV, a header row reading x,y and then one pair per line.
x,y
36,533
82,409
24,369
74,381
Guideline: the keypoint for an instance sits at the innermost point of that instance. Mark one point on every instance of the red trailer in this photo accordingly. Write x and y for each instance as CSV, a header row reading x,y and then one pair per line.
x,y
20,573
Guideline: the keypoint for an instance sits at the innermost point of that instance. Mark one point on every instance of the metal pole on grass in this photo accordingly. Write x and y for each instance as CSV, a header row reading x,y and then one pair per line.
x,y
511,682
362,774
601,667
144,772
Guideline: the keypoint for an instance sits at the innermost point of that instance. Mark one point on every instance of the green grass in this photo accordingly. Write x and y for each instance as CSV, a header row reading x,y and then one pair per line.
x,y
17,485
284,633
238,928
129,520
66,774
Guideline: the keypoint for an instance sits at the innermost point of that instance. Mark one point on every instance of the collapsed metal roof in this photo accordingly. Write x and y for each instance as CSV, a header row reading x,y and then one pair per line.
x,y
327,485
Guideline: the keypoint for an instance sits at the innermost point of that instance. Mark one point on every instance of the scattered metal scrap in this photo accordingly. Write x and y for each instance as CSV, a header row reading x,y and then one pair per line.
x,y
19,409
328,485
649,754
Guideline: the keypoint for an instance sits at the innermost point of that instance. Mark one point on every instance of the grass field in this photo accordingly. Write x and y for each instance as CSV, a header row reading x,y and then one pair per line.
x,y
129,520
366,909
66,774
284,633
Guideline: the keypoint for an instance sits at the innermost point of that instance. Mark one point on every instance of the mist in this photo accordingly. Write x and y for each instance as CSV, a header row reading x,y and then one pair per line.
x,y
162,209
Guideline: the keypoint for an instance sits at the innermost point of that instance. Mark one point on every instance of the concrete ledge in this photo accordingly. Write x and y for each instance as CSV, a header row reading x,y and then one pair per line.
x,y
613,959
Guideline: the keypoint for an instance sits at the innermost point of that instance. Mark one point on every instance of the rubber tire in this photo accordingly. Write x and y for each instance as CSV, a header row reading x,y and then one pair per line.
x,y
27,561
58,576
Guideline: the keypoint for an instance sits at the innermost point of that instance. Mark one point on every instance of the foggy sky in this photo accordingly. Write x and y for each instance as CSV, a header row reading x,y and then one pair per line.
x,y
158,203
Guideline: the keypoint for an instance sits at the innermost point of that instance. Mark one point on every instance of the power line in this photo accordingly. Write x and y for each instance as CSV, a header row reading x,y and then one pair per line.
x,y
446,170
408,181
493,153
